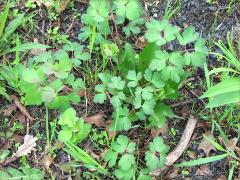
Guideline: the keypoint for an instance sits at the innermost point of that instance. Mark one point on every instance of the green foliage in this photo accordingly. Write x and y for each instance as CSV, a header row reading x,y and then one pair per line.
x,y
227,91
80,155
24,173
150,77
156,155
127,9
221,94
123,150
160,32
73,128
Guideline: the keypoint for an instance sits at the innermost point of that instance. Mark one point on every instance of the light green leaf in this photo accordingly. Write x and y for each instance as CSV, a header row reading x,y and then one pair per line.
x,y
111,158
202,160
189,35
126,162
226,86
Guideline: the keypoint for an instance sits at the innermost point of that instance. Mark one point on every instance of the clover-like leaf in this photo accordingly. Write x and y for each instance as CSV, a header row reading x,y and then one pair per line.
x,y
121,144
68,118
111,158
147,93
154,160
100,97
116,83
189,35
148,107
134,78
158,118
129,9
160,32
154,78
121,120
126,162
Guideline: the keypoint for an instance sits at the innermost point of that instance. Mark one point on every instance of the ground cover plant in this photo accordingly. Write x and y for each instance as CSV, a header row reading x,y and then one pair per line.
x,y
121,89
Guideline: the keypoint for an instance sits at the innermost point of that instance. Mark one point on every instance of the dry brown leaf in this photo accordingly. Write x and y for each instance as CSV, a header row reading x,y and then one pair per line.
x,y
222,177
63,5
20,117
27,146
140,43
47,3
48,160
156,132
204,170
96,119
110,133
192,154
172,174
37,51
206,146
9,110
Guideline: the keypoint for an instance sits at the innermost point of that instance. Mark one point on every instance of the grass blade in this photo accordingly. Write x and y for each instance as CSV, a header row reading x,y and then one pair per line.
x,y
202,160
3,18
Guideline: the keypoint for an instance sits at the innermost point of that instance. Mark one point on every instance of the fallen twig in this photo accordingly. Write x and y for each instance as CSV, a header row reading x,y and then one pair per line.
x,y
179,149
21,107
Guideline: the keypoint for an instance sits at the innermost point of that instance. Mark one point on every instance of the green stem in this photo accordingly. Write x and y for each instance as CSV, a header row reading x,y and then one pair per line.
x,y
47,127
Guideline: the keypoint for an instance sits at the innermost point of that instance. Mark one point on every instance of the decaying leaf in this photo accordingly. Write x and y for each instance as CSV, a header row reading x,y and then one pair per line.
x,y
222,177
9,110
110,133
37,51
156,132
140,43
27,146
96,119
47,3
20,117
205,145
48,160
204,170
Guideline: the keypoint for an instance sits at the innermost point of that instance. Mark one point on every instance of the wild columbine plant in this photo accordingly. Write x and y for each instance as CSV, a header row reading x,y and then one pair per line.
x,y
146,79
73,129
127,163
47,78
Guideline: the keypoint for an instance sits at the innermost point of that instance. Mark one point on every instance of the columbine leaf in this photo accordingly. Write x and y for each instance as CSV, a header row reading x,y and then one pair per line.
x,y
116,83
172,72
111,158
147,93
148,107
160,32
159,62
152,160
134,78
197,57
117,99
158,146
68,117
100,97
121,144
129,9
121,120
126,162
158,118
189,35
125,175
154,78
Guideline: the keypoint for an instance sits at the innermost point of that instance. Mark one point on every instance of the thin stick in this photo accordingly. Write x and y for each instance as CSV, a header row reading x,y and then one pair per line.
x,y
21,107
180,148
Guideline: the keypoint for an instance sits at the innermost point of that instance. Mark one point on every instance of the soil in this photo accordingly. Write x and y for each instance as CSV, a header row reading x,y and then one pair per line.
x,y
211,19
